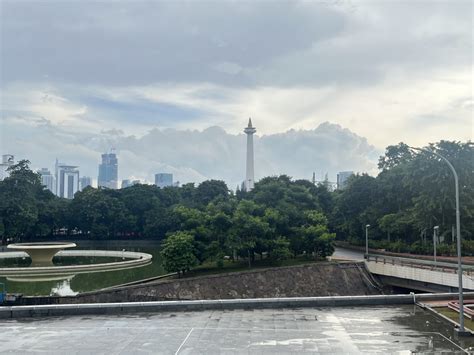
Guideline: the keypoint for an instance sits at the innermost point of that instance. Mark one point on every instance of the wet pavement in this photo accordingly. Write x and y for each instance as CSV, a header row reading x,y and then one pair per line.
x,y
360,330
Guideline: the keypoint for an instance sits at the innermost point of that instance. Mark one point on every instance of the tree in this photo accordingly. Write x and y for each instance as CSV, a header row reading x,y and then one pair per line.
x,y
280,250
248,229
209,190
19,195
179,252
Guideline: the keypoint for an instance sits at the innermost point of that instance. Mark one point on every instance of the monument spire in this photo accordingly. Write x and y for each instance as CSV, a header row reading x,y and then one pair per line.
x,y
249,174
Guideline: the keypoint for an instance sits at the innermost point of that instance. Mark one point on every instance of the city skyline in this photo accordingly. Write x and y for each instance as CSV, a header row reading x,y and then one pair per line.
x,y
348,151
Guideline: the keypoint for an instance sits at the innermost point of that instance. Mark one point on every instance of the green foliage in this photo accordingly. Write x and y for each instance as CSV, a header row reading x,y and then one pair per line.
x,y
413,193
179,253
25,206
280,250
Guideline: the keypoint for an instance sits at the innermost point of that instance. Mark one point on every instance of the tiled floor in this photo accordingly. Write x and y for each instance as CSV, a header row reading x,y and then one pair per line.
x,y
280,331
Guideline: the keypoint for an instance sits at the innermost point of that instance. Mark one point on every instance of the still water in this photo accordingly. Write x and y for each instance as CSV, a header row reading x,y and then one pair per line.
x,y
74,284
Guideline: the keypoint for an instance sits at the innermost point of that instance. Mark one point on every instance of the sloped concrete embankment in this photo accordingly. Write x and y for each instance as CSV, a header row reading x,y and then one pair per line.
x,y
321,279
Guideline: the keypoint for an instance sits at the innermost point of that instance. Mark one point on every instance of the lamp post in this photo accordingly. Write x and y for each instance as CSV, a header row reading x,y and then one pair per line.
x,y
458,235
367,239
435,239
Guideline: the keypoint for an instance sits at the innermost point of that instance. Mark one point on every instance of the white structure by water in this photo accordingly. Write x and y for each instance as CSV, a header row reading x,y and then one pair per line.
x,y
249,175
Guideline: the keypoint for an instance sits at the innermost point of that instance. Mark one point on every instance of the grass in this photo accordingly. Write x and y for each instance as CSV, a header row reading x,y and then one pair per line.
x,y
210,268
445,311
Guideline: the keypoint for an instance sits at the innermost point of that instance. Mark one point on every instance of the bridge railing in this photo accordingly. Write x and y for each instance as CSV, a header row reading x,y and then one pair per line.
x,y
419,263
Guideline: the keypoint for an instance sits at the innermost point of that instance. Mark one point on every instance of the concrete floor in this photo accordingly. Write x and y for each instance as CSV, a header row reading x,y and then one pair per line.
x,y
332,331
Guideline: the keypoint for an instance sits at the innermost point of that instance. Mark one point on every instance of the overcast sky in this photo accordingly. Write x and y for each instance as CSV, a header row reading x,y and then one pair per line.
x,y
80,76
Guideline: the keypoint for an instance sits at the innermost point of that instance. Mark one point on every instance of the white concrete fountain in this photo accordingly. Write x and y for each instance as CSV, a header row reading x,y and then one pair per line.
x,y
41,253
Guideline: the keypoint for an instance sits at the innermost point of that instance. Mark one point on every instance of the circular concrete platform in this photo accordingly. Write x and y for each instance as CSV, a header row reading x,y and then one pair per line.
x,y
131,260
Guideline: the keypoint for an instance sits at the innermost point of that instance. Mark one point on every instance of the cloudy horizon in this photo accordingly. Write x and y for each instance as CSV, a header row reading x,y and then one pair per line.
x,y
80,76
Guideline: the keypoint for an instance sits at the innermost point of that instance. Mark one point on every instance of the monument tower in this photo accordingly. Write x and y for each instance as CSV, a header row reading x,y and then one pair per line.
x,y
249,175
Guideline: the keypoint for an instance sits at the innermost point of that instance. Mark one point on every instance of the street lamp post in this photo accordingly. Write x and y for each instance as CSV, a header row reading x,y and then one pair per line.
x,y
367,240
435,239
458,235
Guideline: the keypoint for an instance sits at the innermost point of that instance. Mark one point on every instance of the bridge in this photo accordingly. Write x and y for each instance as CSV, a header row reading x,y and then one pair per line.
x,y
411,273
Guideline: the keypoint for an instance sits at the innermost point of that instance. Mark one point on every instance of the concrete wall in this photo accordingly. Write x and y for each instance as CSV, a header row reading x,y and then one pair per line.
x,y
185,306
320,279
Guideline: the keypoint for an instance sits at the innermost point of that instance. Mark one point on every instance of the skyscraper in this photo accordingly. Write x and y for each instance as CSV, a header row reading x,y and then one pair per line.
x,y
7,161
47,179
249,175
108,171
67,180
84,182
342,179
163,180
127,183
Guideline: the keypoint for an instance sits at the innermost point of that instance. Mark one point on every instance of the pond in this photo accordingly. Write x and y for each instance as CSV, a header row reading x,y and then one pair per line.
x,y
73,284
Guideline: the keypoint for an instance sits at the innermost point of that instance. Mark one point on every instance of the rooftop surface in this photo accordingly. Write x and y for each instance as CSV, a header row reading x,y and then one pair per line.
x,y
401,330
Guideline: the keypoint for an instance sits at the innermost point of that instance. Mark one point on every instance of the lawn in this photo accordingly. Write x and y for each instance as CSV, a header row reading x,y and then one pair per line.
x,y
445,311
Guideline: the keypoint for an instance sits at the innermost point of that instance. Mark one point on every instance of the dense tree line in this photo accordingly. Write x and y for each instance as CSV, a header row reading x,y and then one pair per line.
x,y
413,192
279,218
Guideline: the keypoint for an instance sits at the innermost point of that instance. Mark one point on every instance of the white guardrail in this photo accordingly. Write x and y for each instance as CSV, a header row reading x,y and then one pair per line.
x,y
440,273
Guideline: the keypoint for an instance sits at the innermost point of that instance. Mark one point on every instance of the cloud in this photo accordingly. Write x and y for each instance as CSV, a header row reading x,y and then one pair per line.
x,y
80,77
230,43
139,42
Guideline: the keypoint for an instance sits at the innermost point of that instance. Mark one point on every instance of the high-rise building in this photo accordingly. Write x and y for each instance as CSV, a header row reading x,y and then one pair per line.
x,y
7,161
67,180
342,179
127,183
47,179
84,182
108,171
249,174
163,180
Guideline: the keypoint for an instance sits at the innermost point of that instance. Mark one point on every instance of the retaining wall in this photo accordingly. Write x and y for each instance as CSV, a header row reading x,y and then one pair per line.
x,y
318,279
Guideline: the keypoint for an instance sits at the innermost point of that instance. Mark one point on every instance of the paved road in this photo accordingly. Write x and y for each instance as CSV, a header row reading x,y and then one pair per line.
x,y
347,254
360,330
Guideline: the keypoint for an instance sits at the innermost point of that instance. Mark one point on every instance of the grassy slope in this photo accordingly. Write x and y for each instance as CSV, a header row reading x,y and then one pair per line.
x,y
445,311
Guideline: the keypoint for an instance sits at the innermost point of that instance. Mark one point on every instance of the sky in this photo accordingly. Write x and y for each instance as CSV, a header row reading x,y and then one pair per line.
x,y
170,84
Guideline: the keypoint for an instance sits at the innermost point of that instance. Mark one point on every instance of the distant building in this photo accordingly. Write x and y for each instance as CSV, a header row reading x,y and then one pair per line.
x,y
7,161
163,180
47,179
84,182
342,179
108,171
127,183
67,180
